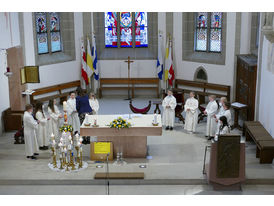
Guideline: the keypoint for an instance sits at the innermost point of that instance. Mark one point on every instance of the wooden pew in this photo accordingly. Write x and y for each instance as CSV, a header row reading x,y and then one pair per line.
x,y
262,139
55,88
134,84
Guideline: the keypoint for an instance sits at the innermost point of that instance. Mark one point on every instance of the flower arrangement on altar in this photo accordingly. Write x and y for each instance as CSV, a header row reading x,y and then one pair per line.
x,y
119,123
66,128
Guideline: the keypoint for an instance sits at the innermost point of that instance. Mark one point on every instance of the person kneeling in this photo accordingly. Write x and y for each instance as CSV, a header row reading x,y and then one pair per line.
x,y
169,104
30,127
224,127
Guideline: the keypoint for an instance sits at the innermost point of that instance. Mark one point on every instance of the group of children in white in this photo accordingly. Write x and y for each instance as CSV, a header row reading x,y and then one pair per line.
x,y
218,115
37,131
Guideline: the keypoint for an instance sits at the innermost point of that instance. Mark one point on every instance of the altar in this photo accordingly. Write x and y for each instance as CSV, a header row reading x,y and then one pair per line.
x,y
131,141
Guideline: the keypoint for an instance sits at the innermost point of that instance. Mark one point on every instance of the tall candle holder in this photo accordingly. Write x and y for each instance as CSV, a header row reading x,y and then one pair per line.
x,y
54,163
81,158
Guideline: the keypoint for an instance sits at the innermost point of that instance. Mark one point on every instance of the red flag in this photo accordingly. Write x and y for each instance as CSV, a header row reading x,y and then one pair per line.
x,y
84,64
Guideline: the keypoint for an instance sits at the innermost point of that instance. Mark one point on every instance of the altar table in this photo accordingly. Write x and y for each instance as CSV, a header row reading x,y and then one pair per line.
x,y
131,141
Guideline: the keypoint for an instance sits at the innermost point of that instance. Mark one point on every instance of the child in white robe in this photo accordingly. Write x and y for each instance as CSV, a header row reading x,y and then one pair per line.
x,y
42,132
224,127
210,111
169,104
55,116
191,109
226,113
94,104
30,127
73,118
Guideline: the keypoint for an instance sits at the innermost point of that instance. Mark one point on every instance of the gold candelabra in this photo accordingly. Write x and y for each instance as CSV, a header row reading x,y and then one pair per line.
x,y
81,160
71,163
53,157
77,154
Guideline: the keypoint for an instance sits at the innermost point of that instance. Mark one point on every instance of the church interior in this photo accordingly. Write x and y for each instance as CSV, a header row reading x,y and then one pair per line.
x,y
134,64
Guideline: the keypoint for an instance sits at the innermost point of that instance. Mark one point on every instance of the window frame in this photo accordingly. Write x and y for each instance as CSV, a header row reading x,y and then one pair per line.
x,y
49,32
208,32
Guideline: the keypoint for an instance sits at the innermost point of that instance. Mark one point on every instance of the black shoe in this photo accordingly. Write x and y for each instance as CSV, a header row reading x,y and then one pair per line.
x,y
210,138
28,156
35,154
46,147
206,136
41,148
171,128
33,158
167,128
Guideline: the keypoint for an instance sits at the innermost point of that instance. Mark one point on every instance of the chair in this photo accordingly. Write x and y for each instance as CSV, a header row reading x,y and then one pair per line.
x,y
144,110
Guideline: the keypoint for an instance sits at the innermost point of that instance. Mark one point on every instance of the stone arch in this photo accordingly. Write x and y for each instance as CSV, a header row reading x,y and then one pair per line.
x,y
200,75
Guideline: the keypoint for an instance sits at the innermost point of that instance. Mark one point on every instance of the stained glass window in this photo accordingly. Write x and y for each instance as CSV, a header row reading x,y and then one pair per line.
x,y
126,29
111,29
48,32
55,35
208,33
41,30
215,32
201,32
141,39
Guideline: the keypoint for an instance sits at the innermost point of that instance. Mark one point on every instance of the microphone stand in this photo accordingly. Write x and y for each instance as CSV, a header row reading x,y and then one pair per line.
x,y
107,174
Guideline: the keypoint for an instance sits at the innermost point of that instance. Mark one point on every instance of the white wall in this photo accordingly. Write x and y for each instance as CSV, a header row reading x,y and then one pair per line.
x,y
9,37
266,97
55,73
245,32
219,74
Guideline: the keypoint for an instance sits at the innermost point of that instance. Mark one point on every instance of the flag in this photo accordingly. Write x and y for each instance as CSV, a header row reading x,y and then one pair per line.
x,y
160,66
90,69
166,60
84,65
170,76
94,58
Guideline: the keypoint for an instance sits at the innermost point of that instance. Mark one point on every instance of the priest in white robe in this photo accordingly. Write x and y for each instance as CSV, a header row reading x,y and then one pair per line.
x,y
210,111
191,109
30,127
73,118
93,103
169,104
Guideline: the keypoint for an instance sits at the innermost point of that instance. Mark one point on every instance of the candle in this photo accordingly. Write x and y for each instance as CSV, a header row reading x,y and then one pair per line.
x,y
52,136
69,137
81,149
155,118
81,139
53,142
60,156
69,147
65,106
65,150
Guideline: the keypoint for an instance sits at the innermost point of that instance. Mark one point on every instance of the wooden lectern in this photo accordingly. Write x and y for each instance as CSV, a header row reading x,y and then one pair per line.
x,y
226,168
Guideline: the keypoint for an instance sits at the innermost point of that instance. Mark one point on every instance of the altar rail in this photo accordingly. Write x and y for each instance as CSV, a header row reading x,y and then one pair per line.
x,y
59,90
134,84
203,89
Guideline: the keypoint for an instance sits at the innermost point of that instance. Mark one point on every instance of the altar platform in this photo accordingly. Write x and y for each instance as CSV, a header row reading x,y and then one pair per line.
x,y
177,159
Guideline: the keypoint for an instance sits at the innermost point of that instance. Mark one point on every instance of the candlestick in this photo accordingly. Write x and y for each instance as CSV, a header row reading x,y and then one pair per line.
x,y
155,118
65,106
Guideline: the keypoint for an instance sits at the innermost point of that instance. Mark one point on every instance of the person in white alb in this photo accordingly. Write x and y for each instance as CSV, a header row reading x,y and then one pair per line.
x,y
226,113
224,127
93,103
73,118
42,132
30,127
55,116
210,111
191,109
169,104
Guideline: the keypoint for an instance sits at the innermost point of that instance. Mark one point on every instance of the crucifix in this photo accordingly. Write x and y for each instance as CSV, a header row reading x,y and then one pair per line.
x,y
128,61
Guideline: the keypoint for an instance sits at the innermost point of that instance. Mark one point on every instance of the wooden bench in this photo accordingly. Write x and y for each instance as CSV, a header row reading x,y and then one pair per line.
x,y
55,88
134,84
263,140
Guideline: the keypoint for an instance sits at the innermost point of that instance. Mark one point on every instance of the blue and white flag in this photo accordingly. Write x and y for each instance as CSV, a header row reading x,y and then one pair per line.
x,y
94,58
160,65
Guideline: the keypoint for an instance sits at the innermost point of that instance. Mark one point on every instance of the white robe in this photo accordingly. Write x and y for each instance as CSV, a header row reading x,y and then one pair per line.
x,y
227,114
94,104
30,127
54,123
42,131
192,115
225,130
211,110
169,113
73,118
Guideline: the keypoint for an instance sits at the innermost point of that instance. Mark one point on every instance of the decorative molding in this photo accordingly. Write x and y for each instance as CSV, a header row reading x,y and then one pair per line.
x,y
268,27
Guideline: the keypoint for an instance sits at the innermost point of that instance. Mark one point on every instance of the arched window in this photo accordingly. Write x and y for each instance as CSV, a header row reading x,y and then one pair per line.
x,y
200,75
48,32
208,34
119,29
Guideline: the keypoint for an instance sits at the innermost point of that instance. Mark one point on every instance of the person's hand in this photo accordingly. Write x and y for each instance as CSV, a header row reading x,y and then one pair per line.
x,y
38,122
167,106
188,109
60,116
216,120
205,112
48,118
214,115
